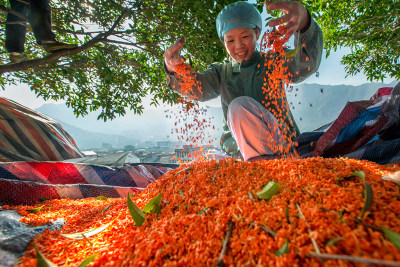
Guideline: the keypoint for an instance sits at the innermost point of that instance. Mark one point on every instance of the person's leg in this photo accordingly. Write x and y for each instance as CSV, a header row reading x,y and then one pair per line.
x,y
16,28
40,20
254,128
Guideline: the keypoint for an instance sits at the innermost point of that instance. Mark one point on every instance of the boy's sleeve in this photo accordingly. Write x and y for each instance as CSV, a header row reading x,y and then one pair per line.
x,y
208,81
308,53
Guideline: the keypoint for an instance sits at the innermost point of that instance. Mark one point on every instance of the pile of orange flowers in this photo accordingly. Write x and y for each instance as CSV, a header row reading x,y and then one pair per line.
x,y
210,214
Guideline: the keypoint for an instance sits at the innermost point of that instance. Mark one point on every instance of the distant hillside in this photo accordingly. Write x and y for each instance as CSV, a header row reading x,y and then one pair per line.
x,y
152,125
89,140
313,105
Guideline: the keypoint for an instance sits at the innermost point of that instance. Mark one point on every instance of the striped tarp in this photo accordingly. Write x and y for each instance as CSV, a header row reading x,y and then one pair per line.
x,y
31,182
26,135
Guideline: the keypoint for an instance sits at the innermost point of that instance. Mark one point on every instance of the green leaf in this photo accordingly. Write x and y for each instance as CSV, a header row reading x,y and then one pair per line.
x,y
86,261
88,233
153,205
41,260
269,190
392,237
180,192
35,210
43,199
359,174
205,211
283,250
102,198
137,215
287,215
368,192
106,208
333,241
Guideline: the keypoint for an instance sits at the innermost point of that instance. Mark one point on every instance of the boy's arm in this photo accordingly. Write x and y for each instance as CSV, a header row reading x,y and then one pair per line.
x,y
306,60
207,81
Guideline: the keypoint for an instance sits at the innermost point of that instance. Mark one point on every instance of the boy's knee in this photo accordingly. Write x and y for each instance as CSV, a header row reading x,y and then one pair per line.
x,y
240,106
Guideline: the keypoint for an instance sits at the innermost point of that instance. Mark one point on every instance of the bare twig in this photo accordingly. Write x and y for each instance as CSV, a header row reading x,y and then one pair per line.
x,y
184,178
251,196
23,23
25,2
215,173
91,244
183,170
86,33
220,261
309,230
368,225
266,229
15,13
353,259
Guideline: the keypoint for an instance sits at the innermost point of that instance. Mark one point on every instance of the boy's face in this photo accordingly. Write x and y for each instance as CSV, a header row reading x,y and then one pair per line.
x,y
241,42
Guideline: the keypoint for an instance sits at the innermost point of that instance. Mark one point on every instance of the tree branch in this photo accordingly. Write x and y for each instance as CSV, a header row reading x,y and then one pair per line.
x,y
137,45
23,23
9,10
62,53
87,33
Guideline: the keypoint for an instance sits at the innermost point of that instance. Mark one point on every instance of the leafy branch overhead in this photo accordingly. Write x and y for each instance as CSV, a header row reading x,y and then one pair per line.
x,y
371,29
119,58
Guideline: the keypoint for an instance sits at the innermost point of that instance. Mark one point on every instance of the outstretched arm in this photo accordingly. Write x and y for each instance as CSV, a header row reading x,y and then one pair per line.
x,y
296,17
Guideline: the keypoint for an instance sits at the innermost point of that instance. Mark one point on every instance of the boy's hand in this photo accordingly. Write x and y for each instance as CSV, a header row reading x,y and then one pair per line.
x,y
296,17
171,56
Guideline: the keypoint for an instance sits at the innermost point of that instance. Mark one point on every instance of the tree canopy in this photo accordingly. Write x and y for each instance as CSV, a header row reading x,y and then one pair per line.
x,y
119,58
370,28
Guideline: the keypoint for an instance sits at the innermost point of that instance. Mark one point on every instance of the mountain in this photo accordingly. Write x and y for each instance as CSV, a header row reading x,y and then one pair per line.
x,y
88,140
152,125
312,105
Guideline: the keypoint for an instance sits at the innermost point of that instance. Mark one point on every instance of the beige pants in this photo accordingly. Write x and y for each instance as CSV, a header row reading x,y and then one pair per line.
x,y
254,128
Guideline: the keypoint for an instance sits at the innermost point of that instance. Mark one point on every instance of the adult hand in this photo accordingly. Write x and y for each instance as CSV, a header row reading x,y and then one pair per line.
x,y
171,56
296,17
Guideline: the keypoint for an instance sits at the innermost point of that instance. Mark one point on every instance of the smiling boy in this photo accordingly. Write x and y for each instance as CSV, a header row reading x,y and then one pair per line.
x,y
247,123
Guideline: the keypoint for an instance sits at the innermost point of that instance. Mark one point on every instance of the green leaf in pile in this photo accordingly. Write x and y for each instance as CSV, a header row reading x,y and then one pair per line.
x,y
269,190
368,192
180,192
136,213
333,241
359,174
35,210
102,198
283,250
153,205
41,260
205,211
287,215
88,233
106,208
86,261
392,237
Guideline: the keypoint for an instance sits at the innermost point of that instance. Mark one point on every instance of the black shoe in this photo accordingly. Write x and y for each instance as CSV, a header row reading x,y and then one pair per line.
x,y
54,46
